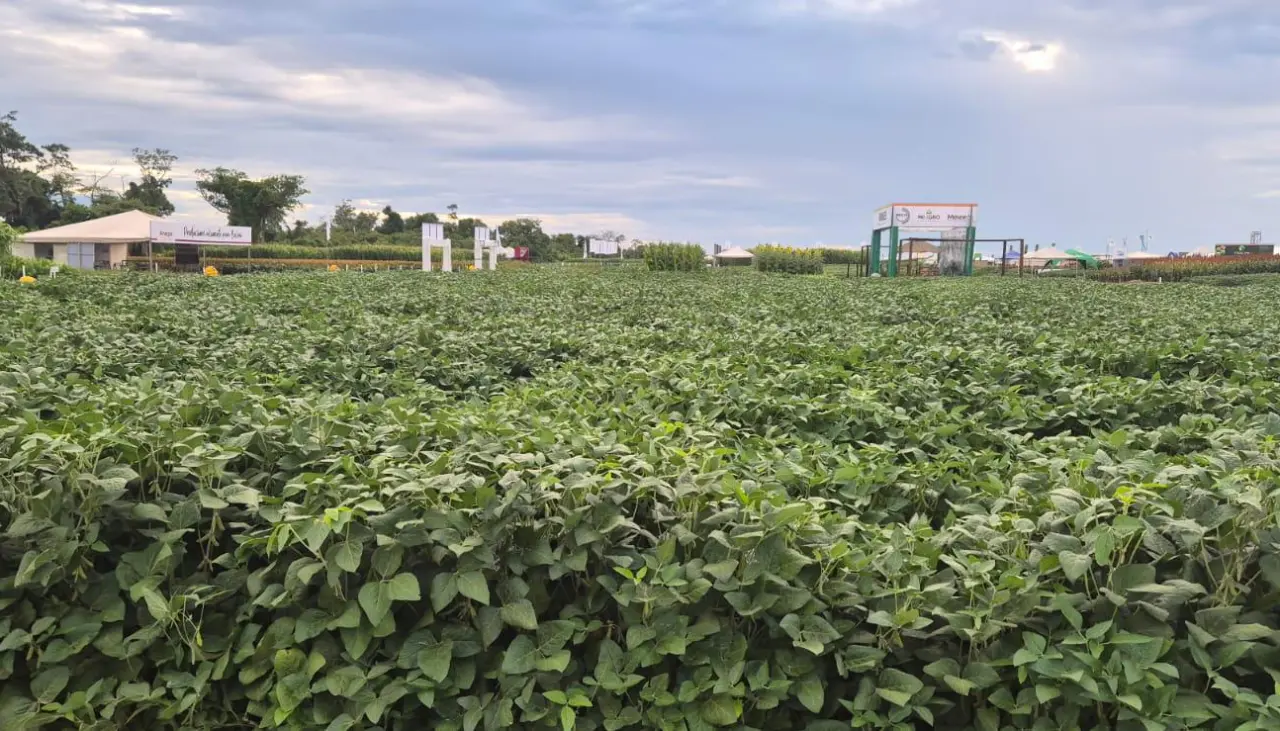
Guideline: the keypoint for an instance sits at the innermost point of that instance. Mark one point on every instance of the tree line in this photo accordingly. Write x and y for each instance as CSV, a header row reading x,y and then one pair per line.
x,y
41,187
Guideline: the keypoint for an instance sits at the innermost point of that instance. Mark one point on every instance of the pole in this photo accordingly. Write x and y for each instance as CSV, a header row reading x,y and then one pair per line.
x,y
151,258
1004,256
911,254
893,252
1022,257
251,258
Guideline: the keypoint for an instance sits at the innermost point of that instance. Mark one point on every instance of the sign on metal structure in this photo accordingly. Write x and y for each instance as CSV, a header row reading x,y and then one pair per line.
x,y
486,239
169,232
926,217
433,233
602,247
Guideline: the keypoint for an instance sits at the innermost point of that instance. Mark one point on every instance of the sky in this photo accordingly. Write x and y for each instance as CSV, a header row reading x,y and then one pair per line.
x,y
1069,122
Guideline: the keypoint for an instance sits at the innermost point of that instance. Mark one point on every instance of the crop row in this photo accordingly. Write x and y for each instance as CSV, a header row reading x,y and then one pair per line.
x,y
616,499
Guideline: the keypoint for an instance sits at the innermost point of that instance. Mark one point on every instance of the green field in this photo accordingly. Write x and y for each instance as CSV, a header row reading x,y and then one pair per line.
x,y
599,498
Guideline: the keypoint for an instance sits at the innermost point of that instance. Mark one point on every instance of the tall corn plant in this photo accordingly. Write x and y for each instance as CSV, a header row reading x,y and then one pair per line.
x,y
674,257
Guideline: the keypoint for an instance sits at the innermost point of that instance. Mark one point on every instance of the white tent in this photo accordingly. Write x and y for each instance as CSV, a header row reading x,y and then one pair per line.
x,y
1049,255
1136,255
102,243
735,253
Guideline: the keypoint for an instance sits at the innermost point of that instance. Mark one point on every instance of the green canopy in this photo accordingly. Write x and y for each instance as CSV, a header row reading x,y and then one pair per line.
x,y
1089,261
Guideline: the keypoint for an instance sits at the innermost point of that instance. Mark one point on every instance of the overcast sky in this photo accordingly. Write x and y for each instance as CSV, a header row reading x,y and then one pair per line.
x,y
1068,121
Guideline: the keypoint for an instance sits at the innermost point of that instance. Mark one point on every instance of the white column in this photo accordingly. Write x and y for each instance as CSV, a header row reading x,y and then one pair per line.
x,y
447,264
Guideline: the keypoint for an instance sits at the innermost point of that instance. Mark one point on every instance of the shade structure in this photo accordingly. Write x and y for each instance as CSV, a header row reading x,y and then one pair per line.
x,y
735,253
1087,259
1049,254
122,228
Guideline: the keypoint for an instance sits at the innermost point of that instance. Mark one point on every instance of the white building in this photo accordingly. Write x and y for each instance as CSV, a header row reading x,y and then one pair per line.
x,y
102,243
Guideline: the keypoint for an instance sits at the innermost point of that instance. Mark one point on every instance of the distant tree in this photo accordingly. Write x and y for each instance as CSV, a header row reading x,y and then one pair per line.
x,y
565,246
453,212
414,222
463,230
527,232
344,216
366,222
299,231
156,168
26,199
56,168
262,204
392,222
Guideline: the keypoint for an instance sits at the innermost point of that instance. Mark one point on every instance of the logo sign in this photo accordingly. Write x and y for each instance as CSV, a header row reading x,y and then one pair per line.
x,y
433,232
925,217
883,218
169,232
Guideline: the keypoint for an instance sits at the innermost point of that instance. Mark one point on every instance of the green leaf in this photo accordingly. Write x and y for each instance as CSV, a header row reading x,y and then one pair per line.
x,y
810,693
1132,701
520,656
721,710
1074,565
404,588
473,586
46,686
521,615
345,682
434,660
375,600
444,587
150,511
896,697
1046,693
959,685
347,555
568,718
897,687
1104,547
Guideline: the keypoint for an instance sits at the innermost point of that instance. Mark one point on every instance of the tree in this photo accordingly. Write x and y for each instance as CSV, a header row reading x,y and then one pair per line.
x,y
464,230
392,222
156,168
7,237
57,169
527,232
565,246
344,216
414,222
366,222
262,204
453,212
24,195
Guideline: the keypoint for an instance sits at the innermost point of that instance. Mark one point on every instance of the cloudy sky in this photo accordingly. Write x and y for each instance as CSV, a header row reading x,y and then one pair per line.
x,y
1068,121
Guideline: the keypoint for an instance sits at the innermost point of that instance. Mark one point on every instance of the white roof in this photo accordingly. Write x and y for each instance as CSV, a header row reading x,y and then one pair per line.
x,y
122,228
1139,255
1047,254
735,253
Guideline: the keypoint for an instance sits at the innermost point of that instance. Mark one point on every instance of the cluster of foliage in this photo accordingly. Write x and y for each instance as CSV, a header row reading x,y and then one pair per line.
x,y
788,259
842,256
1176,270
354,253
670,257
332,501
41,187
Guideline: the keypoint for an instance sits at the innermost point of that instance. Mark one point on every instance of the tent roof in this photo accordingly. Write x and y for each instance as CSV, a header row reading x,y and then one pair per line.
x,y
735,253
1140,255
1049,254
122,228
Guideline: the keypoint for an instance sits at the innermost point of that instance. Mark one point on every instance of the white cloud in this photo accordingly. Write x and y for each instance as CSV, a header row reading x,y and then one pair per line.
x,y
1032,56
128,63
